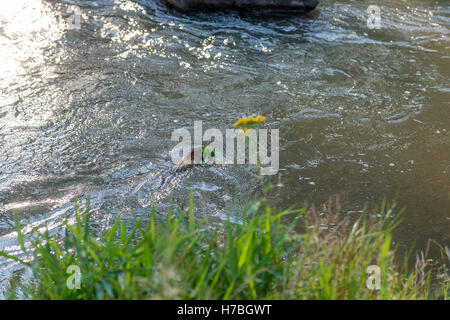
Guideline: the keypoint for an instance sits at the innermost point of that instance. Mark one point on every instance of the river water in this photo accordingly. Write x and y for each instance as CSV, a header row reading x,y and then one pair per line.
x,y
363,113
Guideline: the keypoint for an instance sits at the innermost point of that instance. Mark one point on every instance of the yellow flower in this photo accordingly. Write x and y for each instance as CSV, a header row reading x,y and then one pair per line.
x,y
240,122
260,119
249,121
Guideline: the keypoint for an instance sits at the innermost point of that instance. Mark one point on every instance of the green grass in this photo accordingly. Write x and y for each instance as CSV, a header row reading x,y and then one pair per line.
x,y
293,254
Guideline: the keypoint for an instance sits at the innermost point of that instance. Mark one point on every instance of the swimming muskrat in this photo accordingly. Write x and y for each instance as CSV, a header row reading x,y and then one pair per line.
x,y
188,160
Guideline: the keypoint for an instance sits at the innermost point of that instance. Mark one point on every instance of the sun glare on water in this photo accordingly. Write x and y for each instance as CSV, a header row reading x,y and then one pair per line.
x,y
26,28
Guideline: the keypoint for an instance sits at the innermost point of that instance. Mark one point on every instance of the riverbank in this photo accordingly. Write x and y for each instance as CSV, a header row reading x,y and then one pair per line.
x,y
260,257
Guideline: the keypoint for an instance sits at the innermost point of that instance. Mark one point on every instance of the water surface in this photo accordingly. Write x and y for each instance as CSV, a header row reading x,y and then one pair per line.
x,y
363,114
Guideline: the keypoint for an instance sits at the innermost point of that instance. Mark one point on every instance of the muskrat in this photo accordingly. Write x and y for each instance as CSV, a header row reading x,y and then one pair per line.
x,y
188,160
186,163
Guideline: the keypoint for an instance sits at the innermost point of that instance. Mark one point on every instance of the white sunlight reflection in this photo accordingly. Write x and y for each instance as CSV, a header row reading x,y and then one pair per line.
x,y
26,28
29,29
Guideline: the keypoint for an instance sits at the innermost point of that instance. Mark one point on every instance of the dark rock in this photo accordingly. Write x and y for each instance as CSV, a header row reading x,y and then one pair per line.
x,y
244,5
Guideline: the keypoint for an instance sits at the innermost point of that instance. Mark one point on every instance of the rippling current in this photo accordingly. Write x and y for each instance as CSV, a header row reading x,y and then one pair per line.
x,y
363,113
